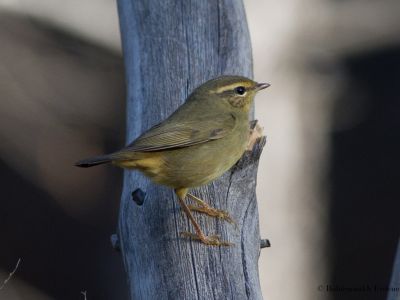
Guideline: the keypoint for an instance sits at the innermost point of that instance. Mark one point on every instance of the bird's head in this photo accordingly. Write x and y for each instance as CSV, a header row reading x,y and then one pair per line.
x,y
236,91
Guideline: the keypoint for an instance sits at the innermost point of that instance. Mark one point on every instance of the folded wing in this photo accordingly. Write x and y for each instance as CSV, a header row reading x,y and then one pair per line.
x,y
171,135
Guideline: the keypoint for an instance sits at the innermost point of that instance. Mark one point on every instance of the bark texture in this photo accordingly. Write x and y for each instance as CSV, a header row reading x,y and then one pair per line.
x,y
170,47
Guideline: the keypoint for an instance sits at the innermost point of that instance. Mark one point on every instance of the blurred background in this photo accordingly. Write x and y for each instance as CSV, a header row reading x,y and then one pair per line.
x,y
328,184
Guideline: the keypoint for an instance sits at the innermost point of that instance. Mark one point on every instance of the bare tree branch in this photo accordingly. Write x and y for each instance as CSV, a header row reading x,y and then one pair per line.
x,y
11,274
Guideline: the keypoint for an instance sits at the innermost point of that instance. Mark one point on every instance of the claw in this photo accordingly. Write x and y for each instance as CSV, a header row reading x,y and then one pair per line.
x,y
213,212
212,240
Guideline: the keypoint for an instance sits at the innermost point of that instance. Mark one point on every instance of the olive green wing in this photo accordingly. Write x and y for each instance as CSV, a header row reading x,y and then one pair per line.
x,y
178,134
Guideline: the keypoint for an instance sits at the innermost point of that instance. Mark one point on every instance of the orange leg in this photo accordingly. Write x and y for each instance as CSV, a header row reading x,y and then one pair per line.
x,y
209,210
208,240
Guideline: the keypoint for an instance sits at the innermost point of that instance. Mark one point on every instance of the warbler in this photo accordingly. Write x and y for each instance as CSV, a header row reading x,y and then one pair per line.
x,y
196,144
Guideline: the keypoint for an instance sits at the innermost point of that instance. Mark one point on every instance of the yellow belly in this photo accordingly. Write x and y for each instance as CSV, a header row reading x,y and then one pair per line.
x,y
189,166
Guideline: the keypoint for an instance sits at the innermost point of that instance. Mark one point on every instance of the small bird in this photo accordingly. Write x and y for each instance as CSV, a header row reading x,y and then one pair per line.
x,y
196,144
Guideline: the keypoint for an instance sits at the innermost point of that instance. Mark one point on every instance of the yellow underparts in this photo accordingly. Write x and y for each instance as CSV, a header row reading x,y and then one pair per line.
x,y
150,162
152,165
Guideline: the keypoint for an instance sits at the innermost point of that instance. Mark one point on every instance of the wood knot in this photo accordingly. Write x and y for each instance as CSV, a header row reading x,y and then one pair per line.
x,y
115,242
138,196
264,243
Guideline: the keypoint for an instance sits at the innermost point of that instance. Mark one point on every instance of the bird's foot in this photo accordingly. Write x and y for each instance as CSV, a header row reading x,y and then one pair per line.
x,y
212,240
212,212
209,210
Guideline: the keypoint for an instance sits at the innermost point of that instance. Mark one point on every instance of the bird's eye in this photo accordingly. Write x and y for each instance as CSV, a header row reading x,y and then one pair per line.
x,y
240,90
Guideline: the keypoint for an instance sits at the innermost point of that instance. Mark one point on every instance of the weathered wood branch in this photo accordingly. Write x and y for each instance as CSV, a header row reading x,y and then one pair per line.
x,y
170,47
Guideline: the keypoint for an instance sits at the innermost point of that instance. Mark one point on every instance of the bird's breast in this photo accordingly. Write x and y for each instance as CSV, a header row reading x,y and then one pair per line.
x,y
199,164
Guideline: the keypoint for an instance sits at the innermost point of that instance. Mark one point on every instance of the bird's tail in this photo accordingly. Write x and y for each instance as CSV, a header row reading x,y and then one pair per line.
x,y
93,161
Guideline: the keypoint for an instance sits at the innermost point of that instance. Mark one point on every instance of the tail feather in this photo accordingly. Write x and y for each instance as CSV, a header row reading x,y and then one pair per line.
x,y
93,161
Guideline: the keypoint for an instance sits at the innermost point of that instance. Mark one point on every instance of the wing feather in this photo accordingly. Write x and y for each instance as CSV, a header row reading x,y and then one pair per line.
x,y
171,135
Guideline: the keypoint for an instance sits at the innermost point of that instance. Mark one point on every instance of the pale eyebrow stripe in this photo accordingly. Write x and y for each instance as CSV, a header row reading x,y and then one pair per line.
x,y
230,87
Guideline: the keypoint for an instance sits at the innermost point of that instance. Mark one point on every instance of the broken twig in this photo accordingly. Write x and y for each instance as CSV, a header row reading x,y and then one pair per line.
x,y
10,275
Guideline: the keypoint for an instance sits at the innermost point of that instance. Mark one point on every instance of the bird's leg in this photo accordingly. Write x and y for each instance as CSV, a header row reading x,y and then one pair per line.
x,y
204,208
208,240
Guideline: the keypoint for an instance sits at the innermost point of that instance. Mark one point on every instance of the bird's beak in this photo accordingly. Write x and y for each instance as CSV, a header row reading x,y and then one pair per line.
x,y
261,86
